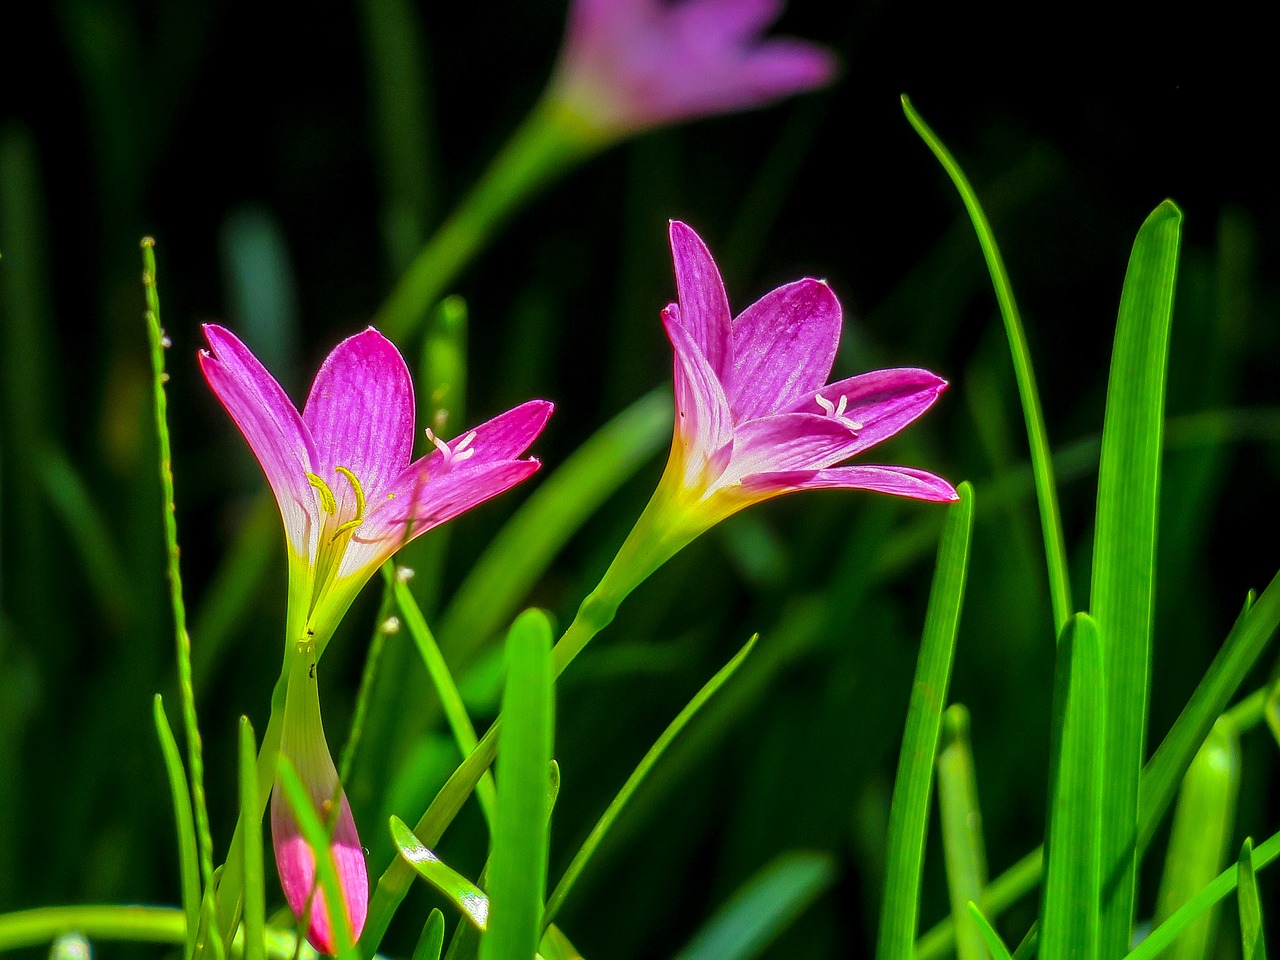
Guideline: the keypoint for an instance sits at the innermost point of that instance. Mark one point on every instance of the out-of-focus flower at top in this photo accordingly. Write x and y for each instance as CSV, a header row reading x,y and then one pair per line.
x,y
340,470
631,64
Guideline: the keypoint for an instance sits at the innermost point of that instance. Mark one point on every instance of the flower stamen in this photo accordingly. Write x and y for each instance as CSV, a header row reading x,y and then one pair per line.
x,y
327,502
836,411
358,490
459,452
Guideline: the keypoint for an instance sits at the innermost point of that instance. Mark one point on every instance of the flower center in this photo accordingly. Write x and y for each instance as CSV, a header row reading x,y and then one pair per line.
x,y
335,530
836,411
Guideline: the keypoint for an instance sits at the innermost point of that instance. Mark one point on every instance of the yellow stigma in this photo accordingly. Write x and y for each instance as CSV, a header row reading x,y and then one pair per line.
x,y
327,503
358,490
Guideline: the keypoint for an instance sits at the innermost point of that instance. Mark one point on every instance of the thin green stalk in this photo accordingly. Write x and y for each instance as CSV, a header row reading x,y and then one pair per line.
x,y
254,893
33,928
963,847
368,677
195,753
188,857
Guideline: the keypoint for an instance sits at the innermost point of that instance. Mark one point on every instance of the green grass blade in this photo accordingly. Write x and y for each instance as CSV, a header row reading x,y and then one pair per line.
x,y
316,833
1123,584
384,624
1253,943
1070,912
989,935
431,943
1159,939
619,802
518,861
461,892
909,812
963,847
35,928
1037,438
556,946
1200,840
528,542
255,907
454,709
188,856
195,751
762,908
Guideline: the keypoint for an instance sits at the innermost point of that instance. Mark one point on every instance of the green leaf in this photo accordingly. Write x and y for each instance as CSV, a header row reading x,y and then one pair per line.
x,y
180,794
1253,943
989,935
619,802
1123,585
556,946
1041,460
461,892
762,908
518,861
255,945
963,847
1070,911
909,812
431,943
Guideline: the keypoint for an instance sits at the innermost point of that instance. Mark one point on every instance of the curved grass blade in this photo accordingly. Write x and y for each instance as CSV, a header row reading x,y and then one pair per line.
x,y
1070,912
963,847
989,935
1253,942
1123,585
619,802
431,943
1037,438
518,862
188,857
461,892
909,812
255,909
762,908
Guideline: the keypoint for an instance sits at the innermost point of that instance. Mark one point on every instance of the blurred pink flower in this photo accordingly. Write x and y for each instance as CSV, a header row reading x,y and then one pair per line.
x,y
755,416
631,64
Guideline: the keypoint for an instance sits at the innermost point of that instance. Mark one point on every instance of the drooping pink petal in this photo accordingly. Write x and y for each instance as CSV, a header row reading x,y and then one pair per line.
x,y
880,402
507,435
360,413
704,424
704,305
898,481
270,424
783,347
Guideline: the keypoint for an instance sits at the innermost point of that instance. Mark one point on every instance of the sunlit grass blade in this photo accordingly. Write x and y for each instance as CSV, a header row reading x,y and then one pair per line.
x,y
762,908
195,752
1200,840
461,892
1159,939
1037,438
963,847
1123,583
518,858
431,943
316,834
1253,942
1070,911
188,856
556,946
989,935
909,812
454,709
255,905
528,542
619,802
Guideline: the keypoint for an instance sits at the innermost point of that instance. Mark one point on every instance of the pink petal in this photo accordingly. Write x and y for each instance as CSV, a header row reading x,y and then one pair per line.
x,y
777,68
882,402
270,424
783,348
703,423
508,434
898,481
360,412
790,441
725,23
704,305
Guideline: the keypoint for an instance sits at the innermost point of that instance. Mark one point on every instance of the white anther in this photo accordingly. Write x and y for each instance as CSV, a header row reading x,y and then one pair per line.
x,y
836,411
458,452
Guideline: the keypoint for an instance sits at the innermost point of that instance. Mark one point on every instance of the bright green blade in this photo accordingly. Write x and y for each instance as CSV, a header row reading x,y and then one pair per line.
x,y
619,802
963,848
762,908
1041,461
1253,943
431,943
909,812
180,793
989,935
1123,584
461,892
556,946
1070,910
255,905
1200,839
518,861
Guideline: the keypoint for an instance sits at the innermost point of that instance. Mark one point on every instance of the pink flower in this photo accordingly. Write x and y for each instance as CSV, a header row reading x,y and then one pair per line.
x,y
631,64
755,416
340,470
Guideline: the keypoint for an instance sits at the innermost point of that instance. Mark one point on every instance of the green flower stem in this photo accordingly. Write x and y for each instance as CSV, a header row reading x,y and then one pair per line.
x,y
549,141
34,928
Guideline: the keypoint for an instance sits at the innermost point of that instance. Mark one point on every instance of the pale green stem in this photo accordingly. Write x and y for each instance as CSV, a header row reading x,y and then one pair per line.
x,y
33,928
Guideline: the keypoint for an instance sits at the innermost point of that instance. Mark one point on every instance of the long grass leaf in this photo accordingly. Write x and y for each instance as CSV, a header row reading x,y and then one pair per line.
x,y
518,861
431,943
1041,460
963,847
989,935
188,855
762,908
461,892
1253,943
909,812
1070,913
255,909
